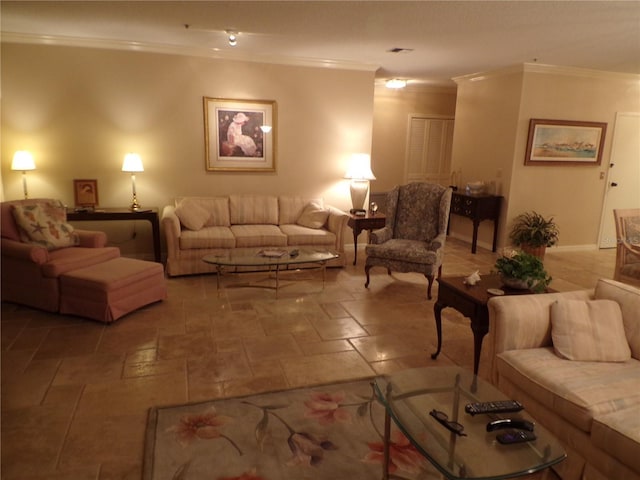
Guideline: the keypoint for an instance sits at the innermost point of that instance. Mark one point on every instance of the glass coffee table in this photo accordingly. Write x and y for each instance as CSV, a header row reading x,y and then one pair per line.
x,y
271,260
428,405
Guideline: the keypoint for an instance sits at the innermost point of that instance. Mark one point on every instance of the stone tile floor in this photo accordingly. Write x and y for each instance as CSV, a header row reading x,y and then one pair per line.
x,y
75,393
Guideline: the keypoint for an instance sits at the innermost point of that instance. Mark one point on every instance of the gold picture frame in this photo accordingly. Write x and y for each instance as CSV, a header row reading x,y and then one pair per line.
x,y
85,192
564,142
240,135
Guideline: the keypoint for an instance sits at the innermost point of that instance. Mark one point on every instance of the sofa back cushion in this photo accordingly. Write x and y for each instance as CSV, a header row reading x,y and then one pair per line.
x,y
628,297
218,207
253,210
291,207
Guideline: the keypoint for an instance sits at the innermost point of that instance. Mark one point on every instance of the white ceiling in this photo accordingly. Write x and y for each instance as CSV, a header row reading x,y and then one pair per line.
x,y
448,38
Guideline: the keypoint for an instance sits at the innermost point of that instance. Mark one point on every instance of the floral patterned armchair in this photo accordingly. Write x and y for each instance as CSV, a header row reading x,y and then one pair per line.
x,y
628,246
414,236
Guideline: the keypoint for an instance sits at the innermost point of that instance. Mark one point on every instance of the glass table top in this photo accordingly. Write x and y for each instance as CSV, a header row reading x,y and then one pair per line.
x,y
269,256
409,396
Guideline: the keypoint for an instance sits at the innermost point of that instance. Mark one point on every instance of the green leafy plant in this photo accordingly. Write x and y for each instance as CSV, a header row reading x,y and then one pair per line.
x,y
524,267
532,229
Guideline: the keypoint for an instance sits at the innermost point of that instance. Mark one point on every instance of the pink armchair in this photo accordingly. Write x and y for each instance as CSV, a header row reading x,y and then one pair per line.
x,y
30,273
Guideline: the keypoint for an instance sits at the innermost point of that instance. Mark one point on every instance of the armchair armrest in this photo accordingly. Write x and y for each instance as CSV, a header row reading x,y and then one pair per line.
x,y
522,321
91,238
438,242
381,235
24,251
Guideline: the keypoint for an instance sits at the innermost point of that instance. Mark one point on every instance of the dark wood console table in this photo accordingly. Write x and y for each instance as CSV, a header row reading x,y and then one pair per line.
x,y
470,301
109,214
477,208
364,222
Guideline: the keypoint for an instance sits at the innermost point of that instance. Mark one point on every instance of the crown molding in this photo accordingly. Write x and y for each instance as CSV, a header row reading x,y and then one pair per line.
x,y
548,70
109,44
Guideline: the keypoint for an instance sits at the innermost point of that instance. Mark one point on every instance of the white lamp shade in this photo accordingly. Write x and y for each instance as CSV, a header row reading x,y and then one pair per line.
x,y
132,163
360,167
23,160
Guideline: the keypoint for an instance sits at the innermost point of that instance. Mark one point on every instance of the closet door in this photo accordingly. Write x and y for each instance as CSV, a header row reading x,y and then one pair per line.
x,y
429,150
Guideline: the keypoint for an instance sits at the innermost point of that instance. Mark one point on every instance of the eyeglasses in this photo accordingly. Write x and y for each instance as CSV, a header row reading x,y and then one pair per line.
x,y
443,419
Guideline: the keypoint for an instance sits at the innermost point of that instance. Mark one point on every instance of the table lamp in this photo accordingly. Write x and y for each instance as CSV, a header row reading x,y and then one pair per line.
x,y
359,172
133,164
23,160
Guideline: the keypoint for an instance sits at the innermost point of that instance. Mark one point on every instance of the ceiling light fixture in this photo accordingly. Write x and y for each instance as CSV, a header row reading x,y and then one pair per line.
x,y
233,37
396,83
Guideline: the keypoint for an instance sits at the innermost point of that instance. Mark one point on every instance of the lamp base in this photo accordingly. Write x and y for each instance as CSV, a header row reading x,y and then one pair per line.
x,y
135,206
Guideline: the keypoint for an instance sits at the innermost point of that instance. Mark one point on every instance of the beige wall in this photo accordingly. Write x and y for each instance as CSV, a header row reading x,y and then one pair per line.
x,y
79,110
390,121
492,120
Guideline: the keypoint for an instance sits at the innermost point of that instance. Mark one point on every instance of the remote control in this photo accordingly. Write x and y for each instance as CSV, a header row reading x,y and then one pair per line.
x,y
499,406
510,423
294,253
515,436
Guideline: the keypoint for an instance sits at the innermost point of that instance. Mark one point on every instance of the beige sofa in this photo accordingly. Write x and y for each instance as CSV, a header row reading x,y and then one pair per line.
x,y
198,226
578,378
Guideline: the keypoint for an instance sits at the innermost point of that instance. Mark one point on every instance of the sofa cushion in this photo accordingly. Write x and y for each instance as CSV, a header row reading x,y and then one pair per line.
x,y
207,237
589,331
66,259
258,236
628,297
218,208
313,216
44,224
618,434
299,235
253,210
291,207
191,214
577,391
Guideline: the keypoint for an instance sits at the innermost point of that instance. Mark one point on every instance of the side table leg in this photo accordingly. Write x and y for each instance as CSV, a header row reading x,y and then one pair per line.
x,y
356,232
437,313
474,241
479,331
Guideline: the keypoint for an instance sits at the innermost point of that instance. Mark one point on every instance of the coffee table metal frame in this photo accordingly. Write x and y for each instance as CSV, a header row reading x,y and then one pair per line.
x,y
273,264
408,397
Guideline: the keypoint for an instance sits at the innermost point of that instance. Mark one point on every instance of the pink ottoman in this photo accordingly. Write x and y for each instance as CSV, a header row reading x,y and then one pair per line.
x,y
109,290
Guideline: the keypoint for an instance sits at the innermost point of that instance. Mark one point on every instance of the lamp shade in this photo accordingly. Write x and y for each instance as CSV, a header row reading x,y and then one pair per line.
x,y
132,163
23,160
360,167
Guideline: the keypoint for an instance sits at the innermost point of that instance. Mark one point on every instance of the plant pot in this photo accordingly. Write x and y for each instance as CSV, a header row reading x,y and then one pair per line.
x,y
515,283
535,251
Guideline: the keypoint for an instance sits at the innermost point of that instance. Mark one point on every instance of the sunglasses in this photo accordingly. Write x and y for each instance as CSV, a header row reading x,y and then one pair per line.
x,y
443,419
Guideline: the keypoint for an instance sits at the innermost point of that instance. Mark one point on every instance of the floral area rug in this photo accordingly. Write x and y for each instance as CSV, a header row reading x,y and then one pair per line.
x,y
332,432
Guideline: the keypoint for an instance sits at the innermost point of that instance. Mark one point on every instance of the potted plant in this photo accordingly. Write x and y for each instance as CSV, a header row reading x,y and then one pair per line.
x,y
533,233
522,270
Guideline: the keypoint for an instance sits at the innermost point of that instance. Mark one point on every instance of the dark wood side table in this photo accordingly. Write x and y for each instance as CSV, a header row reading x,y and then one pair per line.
x,y
477,208
365,222
110,214
470,301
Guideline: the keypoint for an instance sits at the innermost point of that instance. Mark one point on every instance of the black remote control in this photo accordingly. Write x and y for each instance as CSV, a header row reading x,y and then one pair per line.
x,y
515,436
518,423
294,253
499,406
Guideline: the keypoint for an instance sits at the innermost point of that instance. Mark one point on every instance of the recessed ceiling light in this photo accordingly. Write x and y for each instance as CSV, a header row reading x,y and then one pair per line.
x,y
396,83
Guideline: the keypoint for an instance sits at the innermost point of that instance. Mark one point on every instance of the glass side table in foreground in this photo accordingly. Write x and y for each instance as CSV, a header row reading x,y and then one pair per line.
x,y
428,406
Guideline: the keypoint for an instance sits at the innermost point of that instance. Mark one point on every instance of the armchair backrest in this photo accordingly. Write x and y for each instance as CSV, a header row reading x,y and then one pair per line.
x,y
418,211
628,245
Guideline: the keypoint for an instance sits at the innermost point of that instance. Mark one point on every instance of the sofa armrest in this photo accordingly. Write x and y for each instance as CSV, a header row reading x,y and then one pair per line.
x,y
24,251
91,238
337,224
171,225
522,321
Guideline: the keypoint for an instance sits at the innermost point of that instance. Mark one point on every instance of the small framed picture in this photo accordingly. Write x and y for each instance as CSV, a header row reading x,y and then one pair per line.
x,y
85,192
